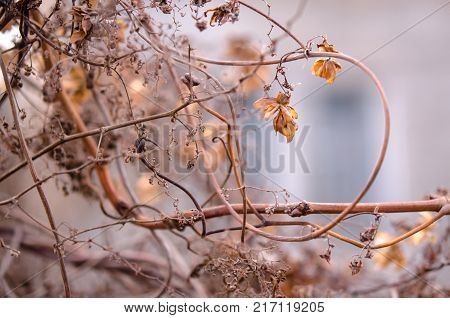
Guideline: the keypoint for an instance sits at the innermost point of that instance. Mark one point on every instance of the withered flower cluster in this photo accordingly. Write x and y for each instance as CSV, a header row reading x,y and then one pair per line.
x,y
326,68
82,17
285,122
228,12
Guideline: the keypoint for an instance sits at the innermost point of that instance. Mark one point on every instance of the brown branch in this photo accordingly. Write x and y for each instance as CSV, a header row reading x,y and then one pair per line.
x,y
105,130
35,176
371,178
103,172
274,22
445,210
305,208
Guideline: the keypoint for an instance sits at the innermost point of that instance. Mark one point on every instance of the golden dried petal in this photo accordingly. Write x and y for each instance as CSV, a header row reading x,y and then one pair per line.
x,y
282,98
285,124
289,131
326,68
269,111
77,36
326,47
317,66
264,102
329,72
277,123
293,112
92,3
285,120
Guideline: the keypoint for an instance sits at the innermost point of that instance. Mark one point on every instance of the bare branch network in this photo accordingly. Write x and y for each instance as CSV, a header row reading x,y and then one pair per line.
x,y
75,64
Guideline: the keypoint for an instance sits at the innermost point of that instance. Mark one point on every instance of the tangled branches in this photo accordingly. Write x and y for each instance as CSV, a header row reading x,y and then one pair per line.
x,y
115,89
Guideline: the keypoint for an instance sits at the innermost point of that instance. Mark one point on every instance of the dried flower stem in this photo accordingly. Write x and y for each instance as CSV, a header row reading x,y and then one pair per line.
x,y
274,22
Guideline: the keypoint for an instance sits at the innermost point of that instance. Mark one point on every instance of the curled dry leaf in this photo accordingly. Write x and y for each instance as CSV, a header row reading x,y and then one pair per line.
x,y
81,16
92,3
286,117
326,47
326,68
77,36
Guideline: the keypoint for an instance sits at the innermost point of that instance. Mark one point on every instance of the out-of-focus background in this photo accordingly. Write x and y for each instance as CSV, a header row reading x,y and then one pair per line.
x,y
405,43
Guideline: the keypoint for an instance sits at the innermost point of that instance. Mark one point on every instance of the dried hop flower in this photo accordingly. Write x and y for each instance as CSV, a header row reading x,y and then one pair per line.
x,y
326,68
83,17
228,12
285,121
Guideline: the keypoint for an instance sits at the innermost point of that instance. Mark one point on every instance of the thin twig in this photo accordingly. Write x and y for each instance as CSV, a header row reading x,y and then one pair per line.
x,y
35,177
